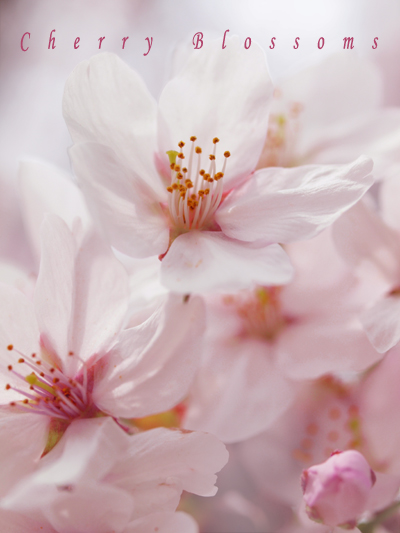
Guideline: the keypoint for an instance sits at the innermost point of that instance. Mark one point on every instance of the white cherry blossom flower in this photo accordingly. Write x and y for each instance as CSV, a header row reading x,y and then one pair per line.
x,y
214,223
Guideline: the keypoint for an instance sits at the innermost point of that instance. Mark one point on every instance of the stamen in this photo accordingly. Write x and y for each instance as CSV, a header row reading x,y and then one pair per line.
x,y
195,210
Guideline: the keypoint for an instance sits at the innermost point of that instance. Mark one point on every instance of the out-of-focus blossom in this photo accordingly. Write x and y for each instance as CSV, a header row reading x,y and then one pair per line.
x,y
65,355
259,341
326,416
363,238
331,113
100,479
214,227
336,492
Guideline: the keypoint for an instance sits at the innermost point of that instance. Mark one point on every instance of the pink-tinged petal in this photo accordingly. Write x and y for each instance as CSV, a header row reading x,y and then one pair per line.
x,y
383,492
288,204
18,327
54,293
238,392
47,189
186,459
20,523
361,236
377,135
164,523
107,102
151,368
380,412
100,299
382,323
124,207
19,454
203,261
67,487
308,350
219,93
336,90
389,201
90,507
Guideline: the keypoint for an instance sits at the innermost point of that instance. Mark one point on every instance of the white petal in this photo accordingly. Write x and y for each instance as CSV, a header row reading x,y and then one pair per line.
x,y
382,323
238,391
100,299
202,261
18,327
287,204
107,102
163,523
124,207
152,367
47,189
219,93
186,458
54,292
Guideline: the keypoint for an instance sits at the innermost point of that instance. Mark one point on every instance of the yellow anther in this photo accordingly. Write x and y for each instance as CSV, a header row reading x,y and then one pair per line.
x,y
227,154
215,140
181,144
177,168
197,150
172,156
174,186
181,156
184,169
202,172
170,189
206,191
212,157
193,138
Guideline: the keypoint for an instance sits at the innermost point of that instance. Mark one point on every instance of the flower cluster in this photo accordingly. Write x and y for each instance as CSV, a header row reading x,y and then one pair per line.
x,y
219,273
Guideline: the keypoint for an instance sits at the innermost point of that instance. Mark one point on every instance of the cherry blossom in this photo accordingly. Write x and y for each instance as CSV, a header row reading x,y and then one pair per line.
x,y
66,356
260,344
214,223
100,479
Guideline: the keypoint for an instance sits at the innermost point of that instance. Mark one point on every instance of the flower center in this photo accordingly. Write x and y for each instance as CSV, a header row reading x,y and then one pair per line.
x,y
50,392
283,130
260,312
195,194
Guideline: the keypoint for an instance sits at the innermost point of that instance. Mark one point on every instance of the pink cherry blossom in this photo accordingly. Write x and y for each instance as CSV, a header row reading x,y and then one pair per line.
x,y
214,224
100,479
261,343
65,355
336,491
331,113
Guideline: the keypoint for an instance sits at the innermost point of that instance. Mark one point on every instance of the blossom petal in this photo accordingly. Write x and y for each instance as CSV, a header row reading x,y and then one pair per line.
x,y
54,292
288,204
238,391
164,523
18,455
124,207
47,189
18,326
382,323
100,299
152,367
90,507
311,349
203,261
219,93
360,236
107,102
186,458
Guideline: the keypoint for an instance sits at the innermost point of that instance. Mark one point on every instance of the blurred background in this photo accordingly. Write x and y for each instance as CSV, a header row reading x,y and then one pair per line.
x,y
32,82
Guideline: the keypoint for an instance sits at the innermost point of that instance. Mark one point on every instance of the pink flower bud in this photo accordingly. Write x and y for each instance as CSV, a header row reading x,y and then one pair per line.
x,y
336,491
